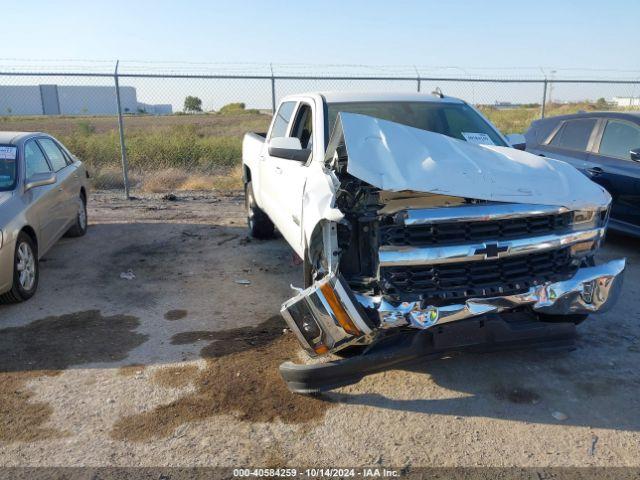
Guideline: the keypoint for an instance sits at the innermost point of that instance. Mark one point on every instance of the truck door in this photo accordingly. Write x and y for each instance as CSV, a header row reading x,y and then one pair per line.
x,y
271,178
294,174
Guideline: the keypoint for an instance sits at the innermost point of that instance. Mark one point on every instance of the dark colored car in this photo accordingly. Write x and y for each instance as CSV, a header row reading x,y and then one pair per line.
x,y
605,146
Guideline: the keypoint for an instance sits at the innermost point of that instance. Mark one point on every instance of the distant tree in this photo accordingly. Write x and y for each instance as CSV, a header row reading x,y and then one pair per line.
x,y
601,103
192,104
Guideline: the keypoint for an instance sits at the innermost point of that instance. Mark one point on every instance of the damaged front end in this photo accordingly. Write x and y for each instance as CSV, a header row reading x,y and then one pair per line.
x,y
520,237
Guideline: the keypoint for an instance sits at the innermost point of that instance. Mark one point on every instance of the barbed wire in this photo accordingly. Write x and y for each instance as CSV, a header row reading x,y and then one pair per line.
x,y
62,65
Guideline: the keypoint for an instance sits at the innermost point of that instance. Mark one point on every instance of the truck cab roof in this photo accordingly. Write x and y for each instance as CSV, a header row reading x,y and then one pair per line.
x,y
346,97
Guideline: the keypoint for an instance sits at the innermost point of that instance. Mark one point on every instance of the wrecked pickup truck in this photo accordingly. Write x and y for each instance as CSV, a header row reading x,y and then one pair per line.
x,y
423,231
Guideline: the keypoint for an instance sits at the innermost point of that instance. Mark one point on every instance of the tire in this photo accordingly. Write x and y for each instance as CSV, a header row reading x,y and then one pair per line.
x,y
79,228
26,271
260,225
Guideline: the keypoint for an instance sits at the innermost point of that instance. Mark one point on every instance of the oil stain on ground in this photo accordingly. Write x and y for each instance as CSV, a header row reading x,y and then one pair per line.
x,y
517,395
46,347
241,378
175,314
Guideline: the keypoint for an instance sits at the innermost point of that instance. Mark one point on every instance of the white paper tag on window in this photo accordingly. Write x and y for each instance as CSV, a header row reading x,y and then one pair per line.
x,y
8,153
478,138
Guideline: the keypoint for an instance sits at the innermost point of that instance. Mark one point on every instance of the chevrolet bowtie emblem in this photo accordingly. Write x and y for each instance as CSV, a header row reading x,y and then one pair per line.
x,y
491,250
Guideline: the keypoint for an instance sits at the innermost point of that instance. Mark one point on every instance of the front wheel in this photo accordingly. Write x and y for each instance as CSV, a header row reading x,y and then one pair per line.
x,y
25,271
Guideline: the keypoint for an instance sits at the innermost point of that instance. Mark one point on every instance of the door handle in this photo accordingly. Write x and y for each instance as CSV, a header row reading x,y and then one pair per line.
x,y
595,171
278,170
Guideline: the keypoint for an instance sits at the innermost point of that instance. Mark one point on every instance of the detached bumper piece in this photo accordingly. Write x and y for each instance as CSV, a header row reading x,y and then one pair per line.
x,y
326,317
484,334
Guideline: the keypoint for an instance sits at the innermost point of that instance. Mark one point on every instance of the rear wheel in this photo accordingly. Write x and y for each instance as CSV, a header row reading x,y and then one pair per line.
x,y
260,225
79,228
25,271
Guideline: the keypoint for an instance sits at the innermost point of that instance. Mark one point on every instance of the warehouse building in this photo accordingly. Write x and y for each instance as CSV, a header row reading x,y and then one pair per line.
x,y
72,100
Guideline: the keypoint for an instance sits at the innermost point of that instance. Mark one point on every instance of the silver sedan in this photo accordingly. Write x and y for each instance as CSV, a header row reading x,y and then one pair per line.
x,y
43,196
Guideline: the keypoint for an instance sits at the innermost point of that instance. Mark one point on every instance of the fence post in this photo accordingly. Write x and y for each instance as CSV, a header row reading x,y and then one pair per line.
x,y
544,98
273,90
123,149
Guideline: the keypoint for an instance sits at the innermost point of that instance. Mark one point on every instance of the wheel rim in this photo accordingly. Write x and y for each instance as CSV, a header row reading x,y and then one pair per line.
x,y
26,266
82,215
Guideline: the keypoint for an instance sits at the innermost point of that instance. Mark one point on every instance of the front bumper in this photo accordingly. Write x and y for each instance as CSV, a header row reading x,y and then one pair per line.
x,y
590,290
328,317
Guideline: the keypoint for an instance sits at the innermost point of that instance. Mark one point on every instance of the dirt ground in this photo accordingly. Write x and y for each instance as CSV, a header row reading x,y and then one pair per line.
x,y
142,348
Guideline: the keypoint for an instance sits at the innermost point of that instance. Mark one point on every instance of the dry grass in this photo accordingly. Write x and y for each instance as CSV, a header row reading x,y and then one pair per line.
x,y
175,179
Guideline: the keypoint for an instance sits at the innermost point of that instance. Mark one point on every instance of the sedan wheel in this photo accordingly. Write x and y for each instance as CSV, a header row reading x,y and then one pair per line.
x,y
79,227
25,271
26,266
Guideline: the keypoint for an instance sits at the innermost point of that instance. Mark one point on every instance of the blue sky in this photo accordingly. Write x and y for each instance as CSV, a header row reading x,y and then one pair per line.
x,y
468,34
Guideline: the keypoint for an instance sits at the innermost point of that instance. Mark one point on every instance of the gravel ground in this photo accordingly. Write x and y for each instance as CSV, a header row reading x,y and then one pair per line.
x,y
175,365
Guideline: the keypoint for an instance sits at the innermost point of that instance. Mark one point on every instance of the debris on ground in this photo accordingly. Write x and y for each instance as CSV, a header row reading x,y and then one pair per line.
x,y
561,417
170,197
128,275
594,440
243,281
228,239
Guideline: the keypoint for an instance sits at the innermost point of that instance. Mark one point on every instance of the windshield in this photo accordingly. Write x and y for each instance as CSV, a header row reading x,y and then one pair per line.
x,y
456,120
8,171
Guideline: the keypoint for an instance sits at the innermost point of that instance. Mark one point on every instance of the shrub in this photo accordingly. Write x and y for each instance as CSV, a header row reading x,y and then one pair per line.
x,y
236,109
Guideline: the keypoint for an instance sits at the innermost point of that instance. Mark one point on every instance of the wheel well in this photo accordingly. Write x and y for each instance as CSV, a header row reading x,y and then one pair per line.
x,y
83,194
31,233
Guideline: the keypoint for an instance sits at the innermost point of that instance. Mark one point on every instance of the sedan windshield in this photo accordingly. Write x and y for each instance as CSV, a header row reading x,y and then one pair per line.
x,y
8,171
456,120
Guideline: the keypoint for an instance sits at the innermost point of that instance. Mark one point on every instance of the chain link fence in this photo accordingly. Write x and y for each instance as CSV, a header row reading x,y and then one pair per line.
x,y
182,129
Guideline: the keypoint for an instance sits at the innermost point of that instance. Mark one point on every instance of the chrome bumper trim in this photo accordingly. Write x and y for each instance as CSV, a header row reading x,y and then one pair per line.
x,y
389,256
481,213
590,290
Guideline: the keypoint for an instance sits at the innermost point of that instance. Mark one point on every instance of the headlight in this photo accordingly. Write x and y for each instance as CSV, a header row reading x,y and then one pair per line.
x,y
591,218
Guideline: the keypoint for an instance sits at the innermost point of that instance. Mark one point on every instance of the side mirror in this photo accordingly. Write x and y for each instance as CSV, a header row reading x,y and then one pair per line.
x,y
288,148
635,154
40,180
517,141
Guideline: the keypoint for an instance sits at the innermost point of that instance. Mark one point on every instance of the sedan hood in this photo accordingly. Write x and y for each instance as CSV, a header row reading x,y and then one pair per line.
x,y
395,157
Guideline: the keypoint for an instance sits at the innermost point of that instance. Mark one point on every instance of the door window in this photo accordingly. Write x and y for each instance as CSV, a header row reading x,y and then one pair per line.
x,y
303,126
619,138
55,155
34,160
574,134
281,121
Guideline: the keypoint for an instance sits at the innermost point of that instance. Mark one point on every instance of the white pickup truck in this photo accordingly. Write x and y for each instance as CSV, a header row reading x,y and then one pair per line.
x,y
419,222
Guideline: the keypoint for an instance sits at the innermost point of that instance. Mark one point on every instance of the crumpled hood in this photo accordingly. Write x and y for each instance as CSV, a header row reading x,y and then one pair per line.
x,y
395,157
